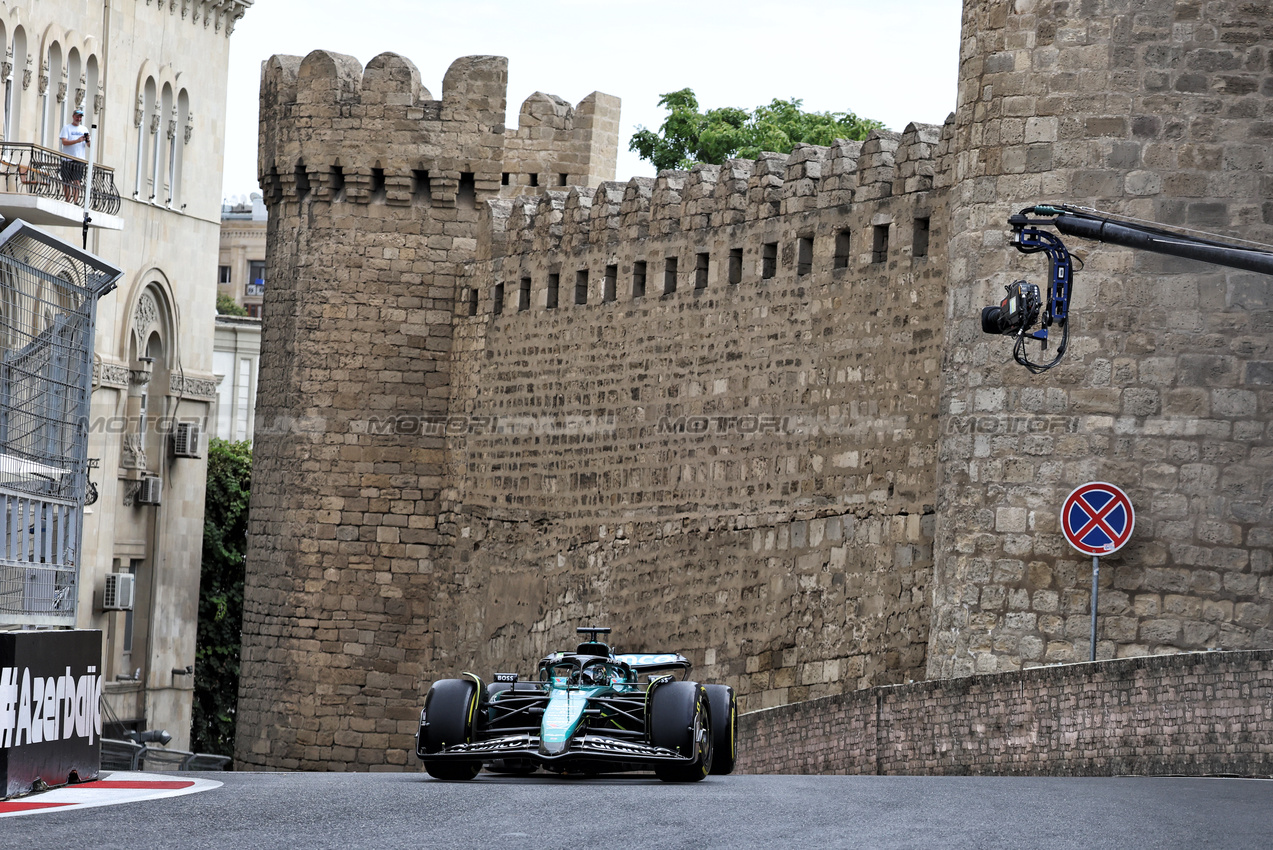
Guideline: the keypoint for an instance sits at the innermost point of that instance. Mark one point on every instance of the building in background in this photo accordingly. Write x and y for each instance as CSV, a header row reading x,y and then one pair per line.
x,y
241,267
235,359
151,79
237,346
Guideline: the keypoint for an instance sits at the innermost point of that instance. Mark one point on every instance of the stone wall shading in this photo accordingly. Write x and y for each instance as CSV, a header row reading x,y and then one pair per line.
x,y
753,429
1194,714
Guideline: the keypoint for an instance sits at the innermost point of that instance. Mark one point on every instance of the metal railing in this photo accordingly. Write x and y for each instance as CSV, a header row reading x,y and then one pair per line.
x,y
118,754
28,169
255,289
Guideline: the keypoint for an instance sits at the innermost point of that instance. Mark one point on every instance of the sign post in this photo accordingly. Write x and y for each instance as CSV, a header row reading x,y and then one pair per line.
x,y
1097,518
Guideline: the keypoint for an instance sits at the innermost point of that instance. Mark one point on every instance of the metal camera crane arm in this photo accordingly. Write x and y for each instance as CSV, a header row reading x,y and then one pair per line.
x,y
1028,238
1089,224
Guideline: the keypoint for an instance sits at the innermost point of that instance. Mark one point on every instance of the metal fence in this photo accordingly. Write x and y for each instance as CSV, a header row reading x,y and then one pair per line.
x,y
33,170
120,754
48,310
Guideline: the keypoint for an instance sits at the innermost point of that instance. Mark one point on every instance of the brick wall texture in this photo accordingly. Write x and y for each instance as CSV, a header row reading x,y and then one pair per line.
x,y
1195,714
746,411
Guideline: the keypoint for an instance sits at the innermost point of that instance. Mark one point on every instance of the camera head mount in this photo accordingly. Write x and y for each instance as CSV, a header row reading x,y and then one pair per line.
x,y
1024,305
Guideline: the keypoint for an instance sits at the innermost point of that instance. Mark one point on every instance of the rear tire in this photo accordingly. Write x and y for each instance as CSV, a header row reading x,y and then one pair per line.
x,y
724,728
450,711
680,720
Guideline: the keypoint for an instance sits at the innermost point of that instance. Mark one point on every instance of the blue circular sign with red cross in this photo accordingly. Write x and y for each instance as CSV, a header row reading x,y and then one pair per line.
x,y
1097,518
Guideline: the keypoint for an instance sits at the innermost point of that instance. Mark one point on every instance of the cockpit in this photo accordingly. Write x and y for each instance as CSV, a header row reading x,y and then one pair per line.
x,y
587,671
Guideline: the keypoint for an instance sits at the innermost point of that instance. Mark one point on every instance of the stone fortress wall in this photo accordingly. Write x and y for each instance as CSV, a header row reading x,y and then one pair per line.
x,y
746,411
756,433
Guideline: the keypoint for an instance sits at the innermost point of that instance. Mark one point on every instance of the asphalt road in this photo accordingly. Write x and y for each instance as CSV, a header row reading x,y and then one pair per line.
x,y
340,810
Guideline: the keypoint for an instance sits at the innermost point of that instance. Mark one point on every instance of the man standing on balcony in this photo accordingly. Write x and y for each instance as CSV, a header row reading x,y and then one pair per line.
x,y
75,142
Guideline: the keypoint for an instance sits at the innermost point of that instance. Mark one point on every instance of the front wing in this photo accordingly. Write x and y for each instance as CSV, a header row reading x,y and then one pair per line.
x,y
593,749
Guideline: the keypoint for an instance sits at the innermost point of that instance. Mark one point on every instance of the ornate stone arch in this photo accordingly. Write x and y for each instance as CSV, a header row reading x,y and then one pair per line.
x,y
150,310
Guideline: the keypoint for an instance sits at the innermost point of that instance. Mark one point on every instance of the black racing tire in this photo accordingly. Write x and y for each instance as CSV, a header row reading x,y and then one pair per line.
x,y
724,728
450,712
680,719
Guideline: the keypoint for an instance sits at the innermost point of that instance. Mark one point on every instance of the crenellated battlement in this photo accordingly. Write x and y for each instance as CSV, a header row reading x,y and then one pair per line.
x,y
362,135
810,179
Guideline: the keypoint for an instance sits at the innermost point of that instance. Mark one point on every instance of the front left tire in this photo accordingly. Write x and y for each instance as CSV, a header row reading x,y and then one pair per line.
x,y
680,720
450,713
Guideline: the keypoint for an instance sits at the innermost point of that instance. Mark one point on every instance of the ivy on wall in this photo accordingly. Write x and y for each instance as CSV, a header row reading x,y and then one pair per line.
x,y
225,539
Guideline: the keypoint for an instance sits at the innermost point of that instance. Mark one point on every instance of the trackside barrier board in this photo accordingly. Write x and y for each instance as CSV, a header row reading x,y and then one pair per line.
x,y
113,789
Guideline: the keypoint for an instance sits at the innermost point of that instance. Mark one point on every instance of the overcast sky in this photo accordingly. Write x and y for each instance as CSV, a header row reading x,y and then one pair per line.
x,y
892,60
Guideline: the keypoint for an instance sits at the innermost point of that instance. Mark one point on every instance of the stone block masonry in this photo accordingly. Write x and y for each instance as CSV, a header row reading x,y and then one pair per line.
x,y
1195,714
748,429
1158,110
747,411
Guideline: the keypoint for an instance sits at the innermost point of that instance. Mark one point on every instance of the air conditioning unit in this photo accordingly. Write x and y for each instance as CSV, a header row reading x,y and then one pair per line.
x,y
185,439
119,592
151,490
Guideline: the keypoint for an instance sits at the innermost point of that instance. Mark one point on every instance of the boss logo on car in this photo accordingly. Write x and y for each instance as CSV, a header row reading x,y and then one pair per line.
x,y
506,677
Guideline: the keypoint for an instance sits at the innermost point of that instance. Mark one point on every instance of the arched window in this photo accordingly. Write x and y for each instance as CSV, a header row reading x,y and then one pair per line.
x,y
180,141
70,95
7,77
150,354
51,77
161,123
142,119
12,90
91,81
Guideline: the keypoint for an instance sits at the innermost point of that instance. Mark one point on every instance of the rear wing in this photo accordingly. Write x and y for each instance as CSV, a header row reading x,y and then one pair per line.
x,y
656,663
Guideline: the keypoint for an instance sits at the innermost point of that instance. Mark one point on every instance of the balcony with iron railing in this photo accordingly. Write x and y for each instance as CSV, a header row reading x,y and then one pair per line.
x,y
46,188
255,289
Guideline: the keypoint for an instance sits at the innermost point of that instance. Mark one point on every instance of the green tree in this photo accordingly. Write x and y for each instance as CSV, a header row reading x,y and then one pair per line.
x,y
225,540
227,306
689,136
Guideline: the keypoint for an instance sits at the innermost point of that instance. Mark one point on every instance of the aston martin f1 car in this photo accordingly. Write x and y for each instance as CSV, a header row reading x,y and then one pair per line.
x,y
587,711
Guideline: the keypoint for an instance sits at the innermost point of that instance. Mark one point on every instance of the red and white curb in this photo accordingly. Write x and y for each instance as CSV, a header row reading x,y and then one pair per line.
x,y
109,790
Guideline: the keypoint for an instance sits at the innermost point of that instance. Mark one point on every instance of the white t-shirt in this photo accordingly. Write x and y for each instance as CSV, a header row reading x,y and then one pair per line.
x,y
76,134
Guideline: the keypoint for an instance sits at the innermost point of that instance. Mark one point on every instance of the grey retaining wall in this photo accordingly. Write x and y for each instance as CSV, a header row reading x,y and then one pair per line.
x,y
1194,714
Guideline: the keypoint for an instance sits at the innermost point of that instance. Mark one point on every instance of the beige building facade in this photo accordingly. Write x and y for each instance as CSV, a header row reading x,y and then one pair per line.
x,y
151,78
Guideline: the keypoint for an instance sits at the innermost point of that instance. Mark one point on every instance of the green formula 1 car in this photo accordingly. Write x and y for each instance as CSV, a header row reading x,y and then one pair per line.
x,y
588,711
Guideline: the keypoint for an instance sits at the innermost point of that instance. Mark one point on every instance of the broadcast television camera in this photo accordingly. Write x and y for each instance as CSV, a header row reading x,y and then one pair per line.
x,y
1018,311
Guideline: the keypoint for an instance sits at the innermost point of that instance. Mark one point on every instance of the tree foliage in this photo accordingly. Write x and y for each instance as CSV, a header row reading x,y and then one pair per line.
x,y
689,136
225,540
227,306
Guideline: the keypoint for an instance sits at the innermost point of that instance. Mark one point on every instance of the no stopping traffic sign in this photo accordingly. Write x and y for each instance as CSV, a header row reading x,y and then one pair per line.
x,y
1097,518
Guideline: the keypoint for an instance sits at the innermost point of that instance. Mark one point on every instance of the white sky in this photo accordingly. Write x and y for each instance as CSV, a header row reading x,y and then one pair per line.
x,y
892,60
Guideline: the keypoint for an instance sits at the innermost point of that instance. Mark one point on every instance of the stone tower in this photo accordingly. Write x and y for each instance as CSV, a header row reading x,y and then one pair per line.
x,y
1162,111
374,189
